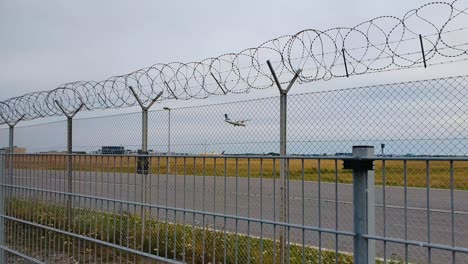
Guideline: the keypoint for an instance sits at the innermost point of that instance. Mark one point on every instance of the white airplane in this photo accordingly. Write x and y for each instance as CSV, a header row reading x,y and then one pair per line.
x,y
234,123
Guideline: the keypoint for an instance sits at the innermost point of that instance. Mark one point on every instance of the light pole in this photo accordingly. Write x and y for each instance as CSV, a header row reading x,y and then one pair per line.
x,y
168,138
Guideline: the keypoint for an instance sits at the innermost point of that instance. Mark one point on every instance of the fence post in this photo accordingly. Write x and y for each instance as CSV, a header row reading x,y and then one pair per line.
x,y
11,149
364,202
69,157
284,178
69,169
2,208
143,159
144,151
11,145
169,138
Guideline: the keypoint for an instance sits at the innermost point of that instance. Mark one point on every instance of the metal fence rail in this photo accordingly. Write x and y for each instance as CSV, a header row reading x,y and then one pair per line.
x,y
226,209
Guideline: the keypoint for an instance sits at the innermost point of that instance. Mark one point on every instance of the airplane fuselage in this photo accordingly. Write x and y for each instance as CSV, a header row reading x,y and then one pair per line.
x,y
236,123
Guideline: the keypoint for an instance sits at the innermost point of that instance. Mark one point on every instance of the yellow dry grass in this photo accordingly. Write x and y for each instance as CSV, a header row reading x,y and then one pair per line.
x,y
417,172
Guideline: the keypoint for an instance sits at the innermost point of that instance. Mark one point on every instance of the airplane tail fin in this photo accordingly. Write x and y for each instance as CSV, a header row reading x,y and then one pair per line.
x,y
226,117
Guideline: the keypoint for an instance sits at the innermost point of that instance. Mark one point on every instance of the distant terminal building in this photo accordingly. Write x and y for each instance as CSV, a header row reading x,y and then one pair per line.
x,y
16,150
80,152
113,150
51,152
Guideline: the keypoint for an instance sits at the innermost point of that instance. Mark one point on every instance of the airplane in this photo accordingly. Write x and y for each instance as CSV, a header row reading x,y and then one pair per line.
x,y
234,123
212,153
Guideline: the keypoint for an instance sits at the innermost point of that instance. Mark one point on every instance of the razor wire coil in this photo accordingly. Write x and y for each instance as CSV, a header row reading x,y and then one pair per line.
x,y
384,43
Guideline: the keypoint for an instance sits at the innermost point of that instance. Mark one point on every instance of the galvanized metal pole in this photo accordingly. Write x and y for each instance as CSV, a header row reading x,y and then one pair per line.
x,y
283,163
69,168
11,138
144,150
144,131
3,196
371,213
169,141
11,145
143,160
283,173
363,204
6,180
11,149
69,158
168,138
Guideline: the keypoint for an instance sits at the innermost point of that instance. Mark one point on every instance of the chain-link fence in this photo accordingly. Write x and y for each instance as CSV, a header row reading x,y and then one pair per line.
x,y
214,191
412,118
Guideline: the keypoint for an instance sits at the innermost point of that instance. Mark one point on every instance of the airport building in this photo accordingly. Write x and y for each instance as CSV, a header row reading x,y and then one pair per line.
x,y
113,150
16,150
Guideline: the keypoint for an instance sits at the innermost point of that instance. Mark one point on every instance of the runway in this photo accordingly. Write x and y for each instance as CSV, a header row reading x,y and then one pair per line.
x,y
325,205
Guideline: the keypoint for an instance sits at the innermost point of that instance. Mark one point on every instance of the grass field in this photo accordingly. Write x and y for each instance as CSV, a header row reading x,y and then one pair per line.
x,y
308,169
174,241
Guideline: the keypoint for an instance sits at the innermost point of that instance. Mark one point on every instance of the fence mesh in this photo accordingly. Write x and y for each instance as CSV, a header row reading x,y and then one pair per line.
x,y
411,118
215,207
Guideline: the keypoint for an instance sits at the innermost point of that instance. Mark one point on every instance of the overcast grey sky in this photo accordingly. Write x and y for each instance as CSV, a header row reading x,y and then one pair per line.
x,y
47,43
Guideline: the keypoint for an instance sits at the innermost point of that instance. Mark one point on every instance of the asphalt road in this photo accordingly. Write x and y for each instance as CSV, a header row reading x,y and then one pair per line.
x,y
329,206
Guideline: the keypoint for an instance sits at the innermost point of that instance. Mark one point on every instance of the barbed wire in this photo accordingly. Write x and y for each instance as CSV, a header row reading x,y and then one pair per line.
x,y
384,43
